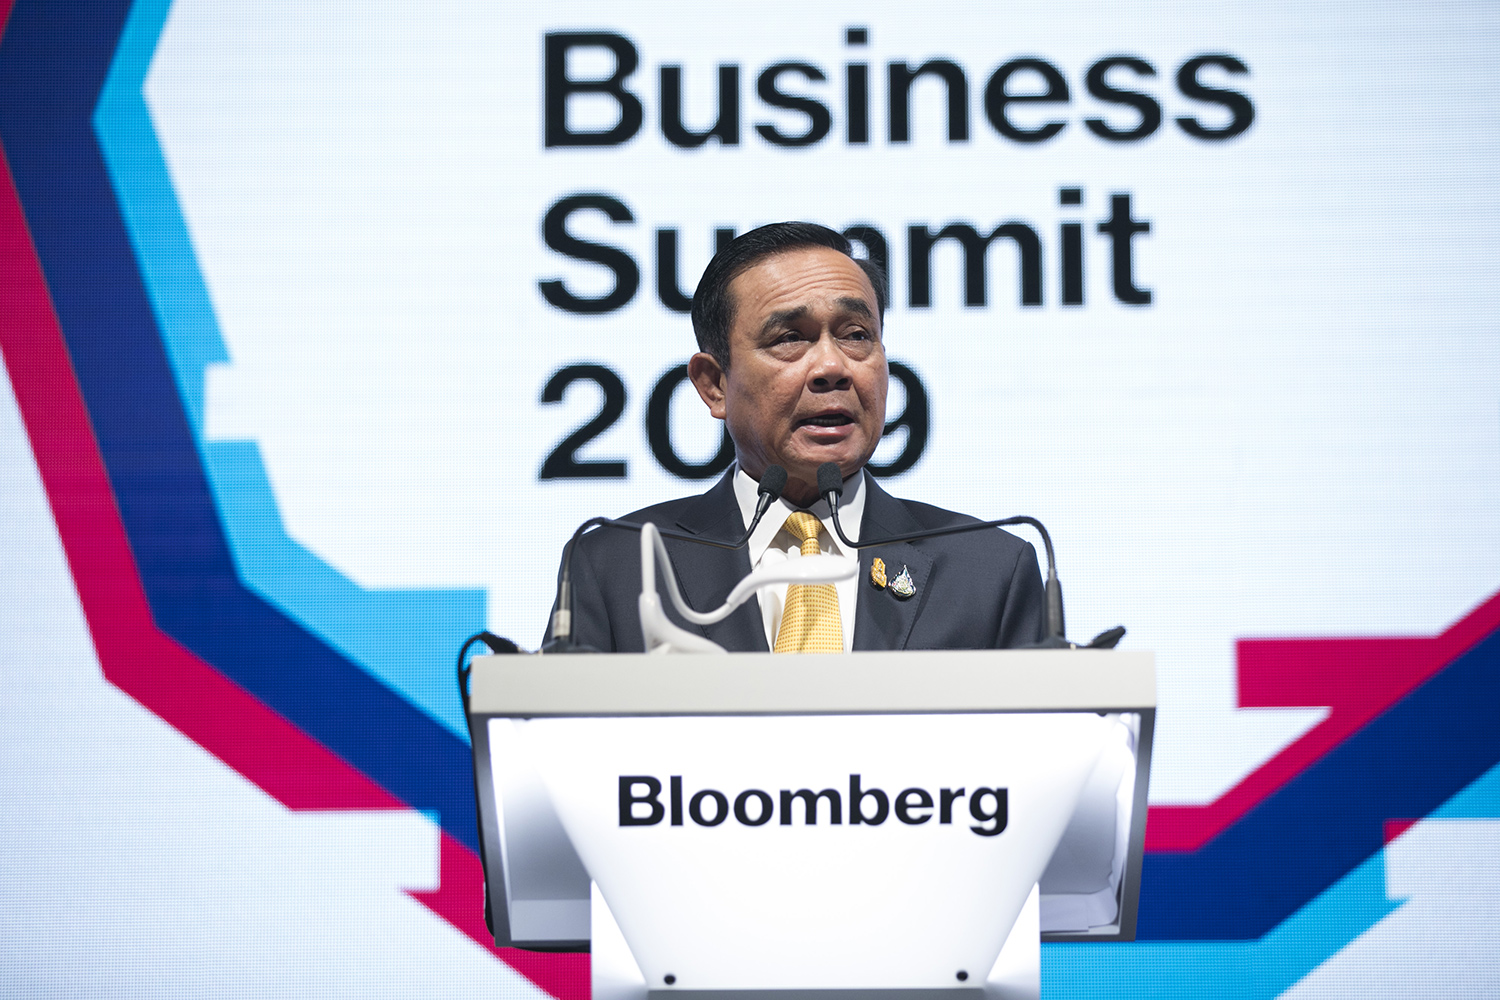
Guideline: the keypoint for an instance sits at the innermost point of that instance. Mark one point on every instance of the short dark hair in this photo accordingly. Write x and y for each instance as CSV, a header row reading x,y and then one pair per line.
x,y
713,306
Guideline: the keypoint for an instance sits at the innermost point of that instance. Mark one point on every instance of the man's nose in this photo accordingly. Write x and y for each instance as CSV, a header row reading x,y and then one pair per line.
x,y
829,368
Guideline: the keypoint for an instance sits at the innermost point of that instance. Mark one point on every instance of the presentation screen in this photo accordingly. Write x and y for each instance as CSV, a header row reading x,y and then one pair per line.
x,y
332,323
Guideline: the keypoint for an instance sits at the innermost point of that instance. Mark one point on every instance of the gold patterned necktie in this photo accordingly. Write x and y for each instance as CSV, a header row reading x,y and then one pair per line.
x,y
810,619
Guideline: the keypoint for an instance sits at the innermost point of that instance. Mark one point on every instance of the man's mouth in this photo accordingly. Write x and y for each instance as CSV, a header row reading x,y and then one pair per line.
x,y
828,420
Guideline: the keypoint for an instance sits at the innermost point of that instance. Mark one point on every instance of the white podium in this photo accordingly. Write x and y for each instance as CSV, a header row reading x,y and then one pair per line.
x,y
903,825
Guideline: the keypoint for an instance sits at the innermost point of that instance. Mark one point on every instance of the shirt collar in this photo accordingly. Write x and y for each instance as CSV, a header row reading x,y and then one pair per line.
x,y
851,513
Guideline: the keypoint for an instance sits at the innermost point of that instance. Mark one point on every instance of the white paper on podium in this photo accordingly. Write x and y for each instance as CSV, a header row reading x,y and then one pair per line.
x,y
778,906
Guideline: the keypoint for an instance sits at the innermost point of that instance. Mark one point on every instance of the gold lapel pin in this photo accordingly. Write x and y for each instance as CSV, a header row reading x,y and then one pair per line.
x,y
877,573
902,585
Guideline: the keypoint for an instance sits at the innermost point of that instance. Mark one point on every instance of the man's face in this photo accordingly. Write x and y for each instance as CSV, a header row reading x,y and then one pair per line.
x,y
807,373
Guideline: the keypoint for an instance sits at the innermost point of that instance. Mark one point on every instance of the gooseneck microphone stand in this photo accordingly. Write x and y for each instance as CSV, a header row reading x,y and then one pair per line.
x,y
831,487
772,483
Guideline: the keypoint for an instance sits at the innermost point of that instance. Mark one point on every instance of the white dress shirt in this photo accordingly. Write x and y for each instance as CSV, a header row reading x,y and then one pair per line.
x,y
772,543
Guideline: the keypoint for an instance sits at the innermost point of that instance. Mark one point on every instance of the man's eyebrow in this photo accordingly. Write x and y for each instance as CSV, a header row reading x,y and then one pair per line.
x,y
858,307
781,318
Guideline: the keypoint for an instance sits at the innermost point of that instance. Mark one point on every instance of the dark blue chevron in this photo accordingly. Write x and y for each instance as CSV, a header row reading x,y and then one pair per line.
x,y
53,60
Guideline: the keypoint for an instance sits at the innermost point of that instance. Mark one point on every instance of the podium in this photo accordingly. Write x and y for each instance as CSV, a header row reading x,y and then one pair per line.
x,y
892,824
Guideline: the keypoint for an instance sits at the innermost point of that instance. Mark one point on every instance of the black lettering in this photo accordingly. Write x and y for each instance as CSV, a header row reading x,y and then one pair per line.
x,y
1121,228
558,87
873,242
667,287
1241,111
563,461
721,807
909,801
900,79
669,268
742,812
857,103
1144,104
912,806
997,99
1071,238
818,119
659,432
857,91
810,806
857,797
629,800
726,127
920,241
915,417
555,233
996,816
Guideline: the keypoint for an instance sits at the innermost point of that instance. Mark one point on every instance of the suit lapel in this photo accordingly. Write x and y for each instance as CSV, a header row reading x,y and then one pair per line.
x,y
883,620
707,574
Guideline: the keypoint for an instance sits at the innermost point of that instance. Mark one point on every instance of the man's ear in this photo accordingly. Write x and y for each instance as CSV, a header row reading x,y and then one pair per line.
x,y
708,378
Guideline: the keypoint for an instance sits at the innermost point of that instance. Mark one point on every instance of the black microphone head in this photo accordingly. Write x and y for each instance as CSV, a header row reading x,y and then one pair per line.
x,y
830,479
773,482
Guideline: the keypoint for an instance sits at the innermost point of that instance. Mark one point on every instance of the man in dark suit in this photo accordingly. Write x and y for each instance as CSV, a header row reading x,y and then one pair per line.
x,y
792,359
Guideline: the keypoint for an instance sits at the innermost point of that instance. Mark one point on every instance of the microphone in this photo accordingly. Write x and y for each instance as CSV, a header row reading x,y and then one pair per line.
x,y
772,484
831,488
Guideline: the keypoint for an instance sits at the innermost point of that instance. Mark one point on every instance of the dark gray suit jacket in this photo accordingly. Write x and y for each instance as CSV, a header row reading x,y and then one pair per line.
x,y
977,590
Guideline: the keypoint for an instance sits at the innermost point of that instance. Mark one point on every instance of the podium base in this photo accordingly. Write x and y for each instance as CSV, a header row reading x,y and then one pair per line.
x,y
1017,974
